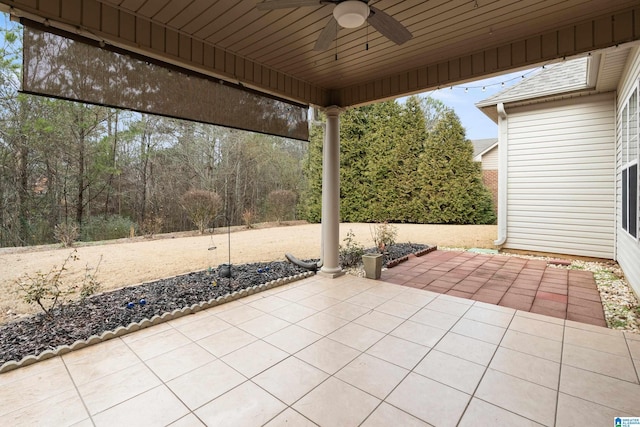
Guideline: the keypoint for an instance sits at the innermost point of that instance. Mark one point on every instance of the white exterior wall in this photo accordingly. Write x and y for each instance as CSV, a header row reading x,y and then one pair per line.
x,y
628,249
561,177
490,159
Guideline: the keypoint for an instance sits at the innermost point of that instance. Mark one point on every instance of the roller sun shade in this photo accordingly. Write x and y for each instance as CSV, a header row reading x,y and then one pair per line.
x,y
67,68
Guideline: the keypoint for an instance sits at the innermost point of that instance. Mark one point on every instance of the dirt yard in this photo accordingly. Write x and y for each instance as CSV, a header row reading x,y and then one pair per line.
x,y
128,262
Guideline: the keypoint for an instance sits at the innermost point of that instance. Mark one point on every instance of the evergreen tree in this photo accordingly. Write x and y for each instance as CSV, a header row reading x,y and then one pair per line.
x,y
452,190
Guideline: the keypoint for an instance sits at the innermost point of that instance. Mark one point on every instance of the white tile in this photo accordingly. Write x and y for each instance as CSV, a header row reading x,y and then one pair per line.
x,y
246,405
386,415
356,336
373,375
522,397
530,368
403,353
450,370
428,400
290,379
254,358
113,389
481,413
470,349
197,387
179,361
336,403
226,341
328,355
418,333
292,338
290,418
157,406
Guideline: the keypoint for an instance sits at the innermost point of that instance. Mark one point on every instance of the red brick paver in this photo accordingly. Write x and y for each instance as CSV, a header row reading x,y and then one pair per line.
x,y
523,284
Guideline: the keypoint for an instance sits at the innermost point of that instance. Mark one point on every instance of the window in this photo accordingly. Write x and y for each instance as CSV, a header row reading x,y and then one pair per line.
x,y
630,137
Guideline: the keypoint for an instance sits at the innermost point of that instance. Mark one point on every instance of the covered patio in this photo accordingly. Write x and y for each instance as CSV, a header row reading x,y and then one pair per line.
x,y
336,350
348,351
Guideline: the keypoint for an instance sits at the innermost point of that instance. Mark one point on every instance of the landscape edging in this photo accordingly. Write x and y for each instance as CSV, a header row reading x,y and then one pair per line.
x,y
145,323
419,253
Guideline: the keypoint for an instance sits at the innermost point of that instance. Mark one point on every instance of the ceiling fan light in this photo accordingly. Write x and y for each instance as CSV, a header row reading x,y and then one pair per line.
x,y
351,13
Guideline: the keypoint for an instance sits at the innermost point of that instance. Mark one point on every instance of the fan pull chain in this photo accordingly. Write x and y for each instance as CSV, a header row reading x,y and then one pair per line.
x,y
366,47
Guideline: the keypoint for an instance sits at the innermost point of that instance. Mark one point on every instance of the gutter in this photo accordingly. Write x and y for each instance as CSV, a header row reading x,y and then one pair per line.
x,y
502,175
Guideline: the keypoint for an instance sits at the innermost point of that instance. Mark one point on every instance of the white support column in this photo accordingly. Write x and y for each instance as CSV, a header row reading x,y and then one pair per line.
x,y
331,195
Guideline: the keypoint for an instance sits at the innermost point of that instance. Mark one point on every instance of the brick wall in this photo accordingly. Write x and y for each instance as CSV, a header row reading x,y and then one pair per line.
x,y
490,180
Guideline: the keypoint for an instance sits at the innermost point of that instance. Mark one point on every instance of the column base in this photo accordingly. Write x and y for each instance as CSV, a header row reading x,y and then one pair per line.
x,y
331,273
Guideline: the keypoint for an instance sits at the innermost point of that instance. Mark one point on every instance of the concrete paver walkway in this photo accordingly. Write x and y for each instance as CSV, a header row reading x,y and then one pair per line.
x,y
342,352
523,284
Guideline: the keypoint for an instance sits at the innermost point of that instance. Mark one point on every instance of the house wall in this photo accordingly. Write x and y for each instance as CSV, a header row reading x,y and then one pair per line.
x,y
627,248
490,159
561,176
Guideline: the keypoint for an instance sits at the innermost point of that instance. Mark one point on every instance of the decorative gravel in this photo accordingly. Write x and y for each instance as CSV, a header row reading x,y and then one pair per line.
x,y
105,312
108,311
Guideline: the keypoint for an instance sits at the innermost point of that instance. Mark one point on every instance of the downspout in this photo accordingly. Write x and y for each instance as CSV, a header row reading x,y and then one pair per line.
x,y
502,175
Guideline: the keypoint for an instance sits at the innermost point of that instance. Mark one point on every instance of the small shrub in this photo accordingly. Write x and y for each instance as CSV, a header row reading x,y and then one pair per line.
x,y
350,251
384,235
249,218
201,206
152,225
281,204
48,290
66,233
90,284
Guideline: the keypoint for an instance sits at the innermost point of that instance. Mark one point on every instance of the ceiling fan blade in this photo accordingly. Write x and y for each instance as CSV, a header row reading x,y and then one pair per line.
x,y
327,36
285,4
388,26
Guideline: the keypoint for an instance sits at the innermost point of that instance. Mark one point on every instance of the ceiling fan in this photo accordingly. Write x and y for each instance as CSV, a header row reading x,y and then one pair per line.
x,y
346,14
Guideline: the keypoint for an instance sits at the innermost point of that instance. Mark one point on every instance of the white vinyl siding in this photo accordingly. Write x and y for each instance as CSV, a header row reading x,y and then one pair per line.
x,y
490,159
627,247
561,177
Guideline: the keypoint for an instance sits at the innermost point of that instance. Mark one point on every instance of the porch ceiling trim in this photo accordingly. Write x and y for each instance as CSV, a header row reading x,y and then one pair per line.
x,y
121,28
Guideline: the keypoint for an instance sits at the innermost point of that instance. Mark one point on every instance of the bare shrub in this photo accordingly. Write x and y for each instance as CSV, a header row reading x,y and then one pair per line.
x,y
281,204
201,206
384,235
249,217
152,225
66,233
48,290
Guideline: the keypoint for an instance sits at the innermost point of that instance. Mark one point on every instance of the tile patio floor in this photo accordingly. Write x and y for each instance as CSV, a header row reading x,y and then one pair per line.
x,y
342,352
523,284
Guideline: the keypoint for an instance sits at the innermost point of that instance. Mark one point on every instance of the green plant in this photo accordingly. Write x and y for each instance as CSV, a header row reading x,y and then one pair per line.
x,y
350,251
48,290
384,235
66,233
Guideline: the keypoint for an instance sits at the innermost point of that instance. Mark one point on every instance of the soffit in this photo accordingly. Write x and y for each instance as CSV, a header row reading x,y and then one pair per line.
x,y
453,40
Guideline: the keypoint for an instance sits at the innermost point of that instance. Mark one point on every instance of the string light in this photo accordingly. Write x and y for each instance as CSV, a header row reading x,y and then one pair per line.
x,y
501,84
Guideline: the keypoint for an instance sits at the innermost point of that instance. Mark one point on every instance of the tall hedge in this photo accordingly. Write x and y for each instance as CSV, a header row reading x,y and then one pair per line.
x,y
392,169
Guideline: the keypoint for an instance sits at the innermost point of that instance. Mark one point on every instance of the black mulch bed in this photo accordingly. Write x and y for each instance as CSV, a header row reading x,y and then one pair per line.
x,y
107,311
399,250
